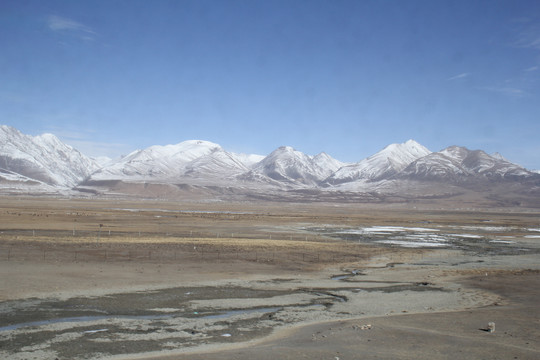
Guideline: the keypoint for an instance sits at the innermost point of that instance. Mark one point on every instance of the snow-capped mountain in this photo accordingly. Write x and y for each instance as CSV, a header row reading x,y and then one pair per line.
x,y
192,159
155,162
459,163
384,164
327,163
293,167
43,164
43,158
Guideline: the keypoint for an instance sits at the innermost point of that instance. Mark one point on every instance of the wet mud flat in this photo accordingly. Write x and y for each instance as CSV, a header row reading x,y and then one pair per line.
x,y
127,323
181,318
439,335
482,240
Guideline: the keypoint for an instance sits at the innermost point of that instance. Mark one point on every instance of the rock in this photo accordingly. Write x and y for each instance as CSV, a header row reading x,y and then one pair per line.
x,y
362,327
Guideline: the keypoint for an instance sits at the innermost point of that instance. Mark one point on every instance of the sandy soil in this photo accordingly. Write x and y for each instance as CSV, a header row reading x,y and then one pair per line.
x,y
297,295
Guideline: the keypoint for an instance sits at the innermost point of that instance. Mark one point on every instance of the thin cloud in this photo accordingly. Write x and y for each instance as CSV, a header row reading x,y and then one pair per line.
x,y
532,68
69,26
528,35
509,91
459,76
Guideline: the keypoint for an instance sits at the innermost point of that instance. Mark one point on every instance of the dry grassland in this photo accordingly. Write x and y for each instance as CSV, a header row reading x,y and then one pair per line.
x,y
83,229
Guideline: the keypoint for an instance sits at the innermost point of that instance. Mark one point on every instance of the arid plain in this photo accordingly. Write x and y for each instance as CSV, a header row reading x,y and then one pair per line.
x,y
127,279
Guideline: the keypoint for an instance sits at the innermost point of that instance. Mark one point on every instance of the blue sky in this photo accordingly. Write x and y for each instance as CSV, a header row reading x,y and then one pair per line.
x,y
344,77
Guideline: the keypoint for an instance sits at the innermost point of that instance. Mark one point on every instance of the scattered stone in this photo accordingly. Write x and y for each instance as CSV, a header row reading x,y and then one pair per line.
x,y
362,327
491,327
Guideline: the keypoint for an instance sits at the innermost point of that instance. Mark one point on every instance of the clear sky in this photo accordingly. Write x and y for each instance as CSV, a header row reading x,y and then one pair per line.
x,y
344,77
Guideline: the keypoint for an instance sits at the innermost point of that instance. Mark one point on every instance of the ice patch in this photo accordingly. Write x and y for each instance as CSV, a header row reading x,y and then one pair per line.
x,y
467,236
382,230
411,244
497,241
485,228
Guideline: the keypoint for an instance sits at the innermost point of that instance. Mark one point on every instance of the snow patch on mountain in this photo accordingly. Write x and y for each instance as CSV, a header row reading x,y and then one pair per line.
x,y
155,162
293,167
43,158
458,163
387,162
192,161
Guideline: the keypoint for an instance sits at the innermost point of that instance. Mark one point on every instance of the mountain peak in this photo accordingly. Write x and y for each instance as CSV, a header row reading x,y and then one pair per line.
x,y
294,167
457,163
43,158
387,162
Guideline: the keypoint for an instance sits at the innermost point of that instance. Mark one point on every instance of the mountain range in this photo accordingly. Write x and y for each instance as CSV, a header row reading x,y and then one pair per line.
x,y
43,164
